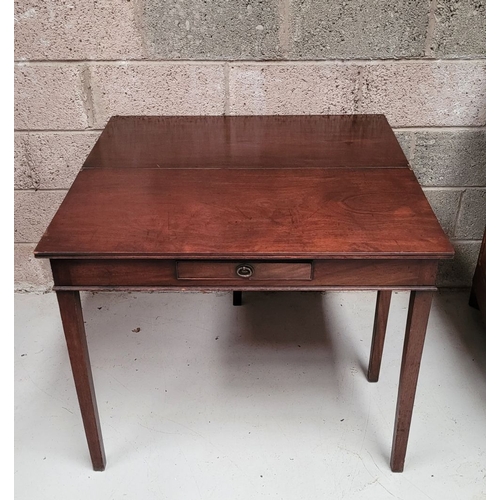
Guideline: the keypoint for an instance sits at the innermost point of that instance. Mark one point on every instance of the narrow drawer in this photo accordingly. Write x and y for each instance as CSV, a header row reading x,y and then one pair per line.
x,y
245,271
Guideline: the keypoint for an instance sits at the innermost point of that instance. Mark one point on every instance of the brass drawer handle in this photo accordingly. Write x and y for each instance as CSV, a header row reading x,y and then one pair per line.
x,y
244,271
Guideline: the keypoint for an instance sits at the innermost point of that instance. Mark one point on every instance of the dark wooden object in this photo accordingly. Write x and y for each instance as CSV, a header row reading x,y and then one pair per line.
x,y
237,298
416,326
478,290
247,142
74,331
320,213
379,328
247,203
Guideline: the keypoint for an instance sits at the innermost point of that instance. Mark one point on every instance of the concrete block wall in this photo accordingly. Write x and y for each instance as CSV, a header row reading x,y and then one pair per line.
x,y
420,62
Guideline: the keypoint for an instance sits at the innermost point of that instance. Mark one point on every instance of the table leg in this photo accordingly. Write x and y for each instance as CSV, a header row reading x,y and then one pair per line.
x,y
237,298
74,331
416,326
379,328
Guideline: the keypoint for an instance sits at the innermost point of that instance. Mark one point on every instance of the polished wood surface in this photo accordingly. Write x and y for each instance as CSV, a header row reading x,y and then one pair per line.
x,y
247,203
416,327
228,270
247,142
378,337
82,273
478,290
245,213
76,341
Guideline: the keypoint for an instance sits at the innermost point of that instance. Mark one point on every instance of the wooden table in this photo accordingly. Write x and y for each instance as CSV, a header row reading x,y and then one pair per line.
x,y
247,203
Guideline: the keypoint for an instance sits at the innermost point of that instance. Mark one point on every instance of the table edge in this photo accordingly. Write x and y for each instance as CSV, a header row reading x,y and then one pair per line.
x,y
260,256
243,288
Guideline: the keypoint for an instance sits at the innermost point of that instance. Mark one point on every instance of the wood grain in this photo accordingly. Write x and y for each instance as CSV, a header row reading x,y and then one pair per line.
x,y
226,270
247,142
418,316
163,273
74,331
379,329
310,202
246,213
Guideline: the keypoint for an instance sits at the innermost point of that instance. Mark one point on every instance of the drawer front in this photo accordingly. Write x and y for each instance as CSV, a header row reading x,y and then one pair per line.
x,y
266,275
244,271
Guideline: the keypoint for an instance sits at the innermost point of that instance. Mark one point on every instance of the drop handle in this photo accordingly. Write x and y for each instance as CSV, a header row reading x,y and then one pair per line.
x,y
244,271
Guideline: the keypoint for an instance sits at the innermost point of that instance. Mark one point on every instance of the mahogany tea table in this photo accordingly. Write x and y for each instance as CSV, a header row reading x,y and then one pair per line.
x,y
247,203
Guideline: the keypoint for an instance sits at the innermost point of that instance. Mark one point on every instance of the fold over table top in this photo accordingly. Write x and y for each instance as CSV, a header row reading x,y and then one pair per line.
x,y
246,187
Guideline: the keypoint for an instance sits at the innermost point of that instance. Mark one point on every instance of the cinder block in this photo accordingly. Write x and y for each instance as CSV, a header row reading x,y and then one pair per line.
x,y
458,272
430,93
50,160
55,29
156,89
455,158
30,274
460,29
445,204
406,140
292,89
196,29
49,97
23,178
33,210
471,221
357,29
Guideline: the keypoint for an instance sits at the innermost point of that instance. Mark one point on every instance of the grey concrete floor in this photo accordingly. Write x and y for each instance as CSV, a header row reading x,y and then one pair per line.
x,y
267,400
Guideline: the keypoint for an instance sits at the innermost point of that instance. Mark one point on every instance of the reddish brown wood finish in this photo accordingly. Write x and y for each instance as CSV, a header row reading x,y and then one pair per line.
x,y
74,331
247,142
379,328
310,202
418,316
227,270
246,213
163,273
478,290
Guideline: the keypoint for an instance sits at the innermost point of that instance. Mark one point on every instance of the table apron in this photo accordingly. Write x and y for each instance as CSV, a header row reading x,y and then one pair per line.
x,y
158,274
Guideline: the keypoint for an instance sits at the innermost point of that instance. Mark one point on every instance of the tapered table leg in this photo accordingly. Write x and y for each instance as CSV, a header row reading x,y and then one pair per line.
x,y
379,328
237,298
416,326
74,331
